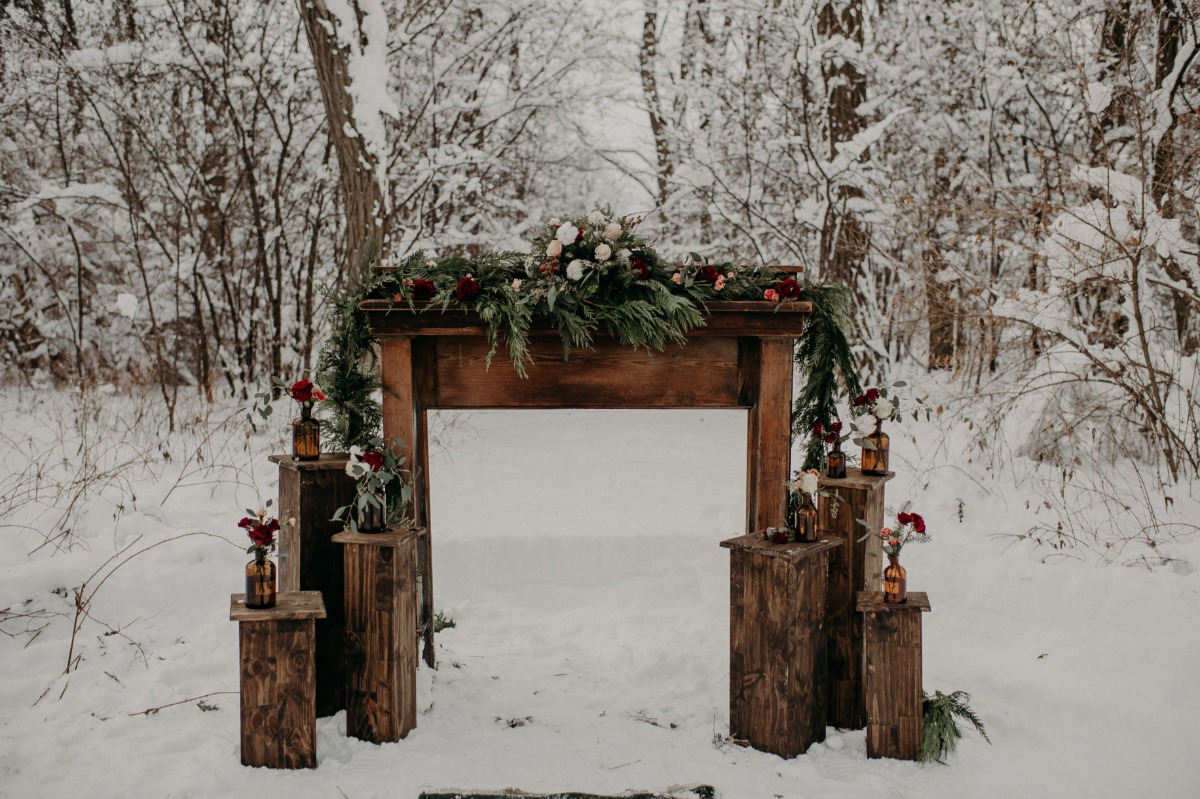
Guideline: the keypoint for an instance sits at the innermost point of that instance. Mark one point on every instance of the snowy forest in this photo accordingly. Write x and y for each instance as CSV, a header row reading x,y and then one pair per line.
x,y
1010,190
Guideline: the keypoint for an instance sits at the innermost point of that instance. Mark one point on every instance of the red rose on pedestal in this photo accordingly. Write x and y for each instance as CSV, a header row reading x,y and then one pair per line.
x,y
301,391
468,289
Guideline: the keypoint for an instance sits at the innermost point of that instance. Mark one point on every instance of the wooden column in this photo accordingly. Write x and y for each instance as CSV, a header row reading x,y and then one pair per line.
x,y
893,651
311,492
278,690
777,673
381,633
765,384
856,565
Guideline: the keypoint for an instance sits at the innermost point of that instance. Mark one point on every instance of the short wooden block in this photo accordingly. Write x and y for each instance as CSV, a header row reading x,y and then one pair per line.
x,y
311,492
857,565
777,671
380,641
278,692
893,674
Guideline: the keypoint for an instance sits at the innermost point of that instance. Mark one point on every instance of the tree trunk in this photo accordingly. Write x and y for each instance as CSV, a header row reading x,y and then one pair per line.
x,y
365,203
647,59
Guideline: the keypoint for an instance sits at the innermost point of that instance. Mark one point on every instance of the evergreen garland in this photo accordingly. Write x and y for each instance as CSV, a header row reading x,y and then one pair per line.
x,y
939,730
822,353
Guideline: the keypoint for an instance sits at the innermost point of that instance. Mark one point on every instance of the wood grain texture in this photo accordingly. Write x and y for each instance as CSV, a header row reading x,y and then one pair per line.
x,y
777,673
424,542
855,566
289,606
399,400
381,634
311,492
702,374
278,693
754,542
892,640
769,437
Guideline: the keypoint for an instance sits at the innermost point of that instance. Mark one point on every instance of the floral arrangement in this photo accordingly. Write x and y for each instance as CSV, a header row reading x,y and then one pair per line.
x,y
831,434
805,484
261,529
874,406
379,474
910,528
303,391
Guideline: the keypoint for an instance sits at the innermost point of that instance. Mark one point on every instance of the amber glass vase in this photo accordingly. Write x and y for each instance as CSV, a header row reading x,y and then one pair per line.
x,y
306,436
260,581
806,520
836,462
875,461
895,581
372,519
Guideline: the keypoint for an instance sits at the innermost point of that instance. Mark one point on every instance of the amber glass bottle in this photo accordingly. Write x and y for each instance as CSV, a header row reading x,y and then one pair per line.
x,y
836,461
372,519
806,520
306,436
260,581
895,581
875,461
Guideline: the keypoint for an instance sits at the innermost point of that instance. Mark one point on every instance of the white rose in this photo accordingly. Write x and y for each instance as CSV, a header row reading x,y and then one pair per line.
x,y
567,233
575,269
613,231
516,284
623,254
866,424
596,217
603,252
884,409
808,483
554,248
555,222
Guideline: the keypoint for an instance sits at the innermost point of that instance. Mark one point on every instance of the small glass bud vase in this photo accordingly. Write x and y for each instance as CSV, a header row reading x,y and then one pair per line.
x,y
895,582
260,581
306,436
836,462
875,461
806,520
372,518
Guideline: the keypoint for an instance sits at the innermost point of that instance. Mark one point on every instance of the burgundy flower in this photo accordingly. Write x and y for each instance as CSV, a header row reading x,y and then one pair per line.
x,y
301,391
831,438
263,535
788,289
468,289
639,268
579,235
918,524
247,523
872,394
904,518
817,429
836,427
859,400
780,537
708,274
422,290
374,460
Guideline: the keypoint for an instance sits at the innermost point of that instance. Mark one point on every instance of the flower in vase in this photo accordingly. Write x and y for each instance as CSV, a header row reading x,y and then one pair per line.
x,y
808,482
866,424
301,391
884,409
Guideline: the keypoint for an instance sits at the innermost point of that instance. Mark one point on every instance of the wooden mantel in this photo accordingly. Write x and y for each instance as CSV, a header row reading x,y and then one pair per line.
x,y
741,358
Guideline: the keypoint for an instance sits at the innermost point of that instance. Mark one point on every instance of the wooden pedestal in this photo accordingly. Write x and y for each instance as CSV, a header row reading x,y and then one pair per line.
x,y
310,492
856,565
777,672
380,642
893,652
279,722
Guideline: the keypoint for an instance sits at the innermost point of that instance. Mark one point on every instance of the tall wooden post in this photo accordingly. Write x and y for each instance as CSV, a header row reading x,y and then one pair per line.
x,y
892,636
777,679
310,492
856,565
765,384
278,703
381,633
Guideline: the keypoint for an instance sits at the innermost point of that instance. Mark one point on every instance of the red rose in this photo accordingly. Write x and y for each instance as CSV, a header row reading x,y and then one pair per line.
x,y
247,523
263,535
831,438
918,524
788,289
872,394
904,518
708,274
423,290
579,235
781,537
468,289
301,391
374,460
639,268
836,427
859,400
817,429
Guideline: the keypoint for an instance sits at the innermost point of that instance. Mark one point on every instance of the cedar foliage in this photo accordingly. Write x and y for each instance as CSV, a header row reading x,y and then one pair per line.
x,y
939,730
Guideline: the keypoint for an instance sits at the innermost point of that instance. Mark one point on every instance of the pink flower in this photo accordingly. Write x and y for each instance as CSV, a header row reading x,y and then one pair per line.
x,y
771,294
720,283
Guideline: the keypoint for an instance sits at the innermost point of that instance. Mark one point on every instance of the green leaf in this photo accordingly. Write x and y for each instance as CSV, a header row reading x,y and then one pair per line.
x,y
551,296
899,384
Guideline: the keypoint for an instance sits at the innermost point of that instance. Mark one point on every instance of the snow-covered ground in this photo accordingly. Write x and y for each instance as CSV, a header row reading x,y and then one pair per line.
x,y
578,553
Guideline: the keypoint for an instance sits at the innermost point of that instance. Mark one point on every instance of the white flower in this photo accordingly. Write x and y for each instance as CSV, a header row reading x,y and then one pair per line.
x,y
884,409
554,248
567,233
613,231
866,424
808,482
516,284
603,252
530,263
555,222
575,269
432,264
596,217
623,254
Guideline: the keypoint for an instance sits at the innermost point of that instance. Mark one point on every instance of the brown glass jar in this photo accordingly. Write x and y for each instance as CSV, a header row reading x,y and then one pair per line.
x,y
836,462
875,456
895,582
260,581
306,436
806,520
